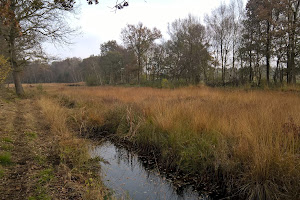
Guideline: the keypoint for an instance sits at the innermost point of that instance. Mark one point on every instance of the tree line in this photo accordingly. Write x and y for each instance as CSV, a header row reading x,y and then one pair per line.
x,y
254,44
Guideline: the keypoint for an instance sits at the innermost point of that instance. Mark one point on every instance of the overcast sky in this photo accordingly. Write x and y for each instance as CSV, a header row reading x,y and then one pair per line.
x,y
99,23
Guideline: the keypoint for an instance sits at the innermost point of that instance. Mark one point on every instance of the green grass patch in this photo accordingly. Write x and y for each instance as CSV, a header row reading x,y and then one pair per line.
x,y
8,95
40,194
7,147
32,135
41,160
46,176
40,88
7,139
5,158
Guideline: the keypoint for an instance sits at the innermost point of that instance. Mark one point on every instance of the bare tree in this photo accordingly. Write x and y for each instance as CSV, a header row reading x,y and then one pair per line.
x,y
292,27
26,25
139,38
220,27
274,29
237,15
189,48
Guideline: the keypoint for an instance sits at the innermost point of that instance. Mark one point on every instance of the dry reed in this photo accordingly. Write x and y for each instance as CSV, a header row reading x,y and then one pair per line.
x,y
252,136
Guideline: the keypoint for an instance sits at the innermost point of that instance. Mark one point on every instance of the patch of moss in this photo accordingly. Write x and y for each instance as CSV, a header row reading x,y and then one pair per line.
x,y
5,158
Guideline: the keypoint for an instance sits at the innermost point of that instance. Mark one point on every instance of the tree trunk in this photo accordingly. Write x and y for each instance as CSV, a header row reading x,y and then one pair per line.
x,y
275,77
292,60
12,51
139,69
291,50
281,75
294,36
18,84
268,52
250,68
288,70
222,60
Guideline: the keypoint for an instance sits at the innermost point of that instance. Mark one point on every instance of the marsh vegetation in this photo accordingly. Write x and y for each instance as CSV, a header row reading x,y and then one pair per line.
x,y
247,140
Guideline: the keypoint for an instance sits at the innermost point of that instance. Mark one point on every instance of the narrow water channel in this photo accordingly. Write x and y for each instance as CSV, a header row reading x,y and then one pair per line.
x,y
128,177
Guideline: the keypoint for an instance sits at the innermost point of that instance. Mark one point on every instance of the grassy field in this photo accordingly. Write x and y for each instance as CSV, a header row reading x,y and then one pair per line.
x,y
250,137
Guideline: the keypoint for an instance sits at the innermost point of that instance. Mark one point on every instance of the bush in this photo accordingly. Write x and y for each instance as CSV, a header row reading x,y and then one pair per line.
x,y
165,83
92,81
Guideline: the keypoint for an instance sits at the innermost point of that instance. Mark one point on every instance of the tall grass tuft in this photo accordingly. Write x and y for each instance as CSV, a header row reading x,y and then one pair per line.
x,y
5,158
74,158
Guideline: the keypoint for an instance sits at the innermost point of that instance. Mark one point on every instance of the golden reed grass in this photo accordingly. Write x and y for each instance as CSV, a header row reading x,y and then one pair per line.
x,y
253,136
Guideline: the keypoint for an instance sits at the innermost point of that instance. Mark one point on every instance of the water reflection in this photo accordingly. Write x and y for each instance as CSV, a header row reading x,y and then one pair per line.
x,y
126,175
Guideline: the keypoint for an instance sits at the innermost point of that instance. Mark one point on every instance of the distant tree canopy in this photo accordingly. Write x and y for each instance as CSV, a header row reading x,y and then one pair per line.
x,y
140,39
256,45
188,50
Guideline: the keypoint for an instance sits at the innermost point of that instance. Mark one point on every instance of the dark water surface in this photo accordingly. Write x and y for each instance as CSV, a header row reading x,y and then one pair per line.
x,y
125,173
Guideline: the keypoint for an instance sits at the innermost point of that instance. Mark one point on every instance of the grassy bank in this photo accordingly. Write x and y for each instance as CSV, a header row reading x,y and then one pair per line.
x,y
249,139
72,152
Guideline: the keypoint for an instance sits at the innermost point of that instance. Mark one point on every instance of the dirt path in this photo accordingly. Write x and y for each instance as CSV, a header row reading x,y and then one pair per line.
x,y
28,161
20,138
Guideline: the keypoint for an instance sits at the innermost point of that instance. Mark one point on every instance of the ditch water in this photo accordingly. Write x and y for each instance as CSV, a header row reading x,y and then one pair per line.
x,y
132,177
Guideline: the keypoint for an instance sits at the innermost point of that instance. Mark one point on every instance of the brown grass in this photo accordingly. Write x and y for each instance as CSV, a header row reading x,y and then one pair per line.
x,y
73,152
252,136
